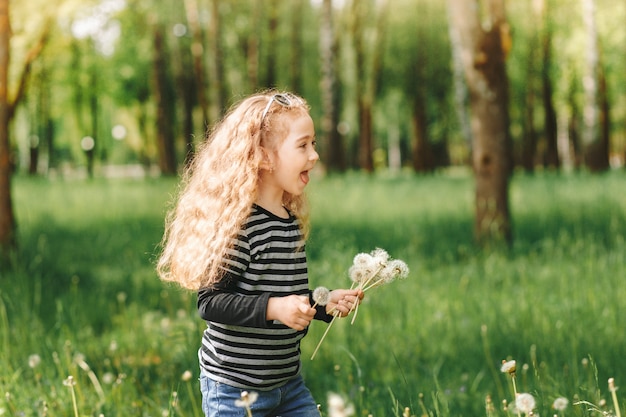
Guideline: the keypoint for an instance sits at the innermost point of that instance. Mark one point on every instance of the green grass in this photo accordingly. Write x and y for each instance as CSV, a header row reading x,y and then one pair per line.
x,y
85,299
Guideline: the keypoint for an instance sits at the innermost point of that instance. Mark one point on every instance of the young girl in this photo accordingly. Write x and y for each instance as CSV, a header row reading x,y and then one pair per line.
x,y
237,236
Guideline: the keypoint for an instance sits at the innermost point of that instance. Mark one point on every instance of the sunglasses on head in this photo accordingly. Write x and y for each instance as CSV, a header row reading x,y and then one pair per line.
x,y
285,100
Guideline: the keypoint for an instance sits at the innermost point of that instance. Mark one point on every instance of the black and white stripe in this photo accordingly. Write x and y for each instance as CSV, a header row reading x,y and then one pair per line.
x,y
268,257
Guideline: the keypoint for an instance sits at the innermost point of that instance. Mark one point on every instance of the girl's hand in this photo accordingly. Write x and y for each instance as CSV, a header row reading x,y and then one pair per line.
x,y
343,301
293,311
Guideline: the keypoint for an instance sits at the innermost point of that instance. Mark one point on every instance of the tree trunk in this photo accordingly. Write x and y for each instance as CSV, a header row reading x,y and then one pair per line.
x,y
593,149
366,162
252,48
529,139
7,218
367,86
528,155
484,55
186,85
296,45
552,159
270,79
422,155
605,122
220,85
460,87
333,150
197,52
164,100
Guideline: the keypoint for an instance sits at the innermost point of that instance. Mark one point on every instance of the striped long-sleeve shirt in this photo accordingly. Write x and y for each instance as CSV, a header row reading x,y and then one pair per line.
x,y
239,346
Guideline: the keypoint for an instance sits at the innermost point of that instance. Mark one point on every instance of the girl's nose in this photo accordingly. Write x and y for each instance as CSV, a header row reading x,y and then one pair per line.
x,y
314,156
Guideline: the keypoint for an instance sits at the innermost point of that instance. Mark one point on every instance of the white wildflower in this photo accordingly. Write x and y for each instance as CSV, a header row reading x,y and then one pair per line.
x,y
337,406
321,296
186,376
359,274
34,360
525,403
508,367
247,399
394,269
363,260
380,255
108,378
560,404
69,381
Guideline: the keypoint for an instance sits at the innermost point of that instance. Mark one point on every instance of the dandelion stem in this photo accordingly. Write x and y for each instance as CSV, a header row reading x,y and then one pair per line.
x,y
519,413
614,396
324,335
373,284
74,401
356,311
375,273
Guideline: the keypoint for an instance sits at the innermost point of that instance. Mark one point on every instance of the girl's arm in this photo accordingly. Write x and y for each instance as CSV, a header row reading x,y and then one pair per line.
x,y
222,304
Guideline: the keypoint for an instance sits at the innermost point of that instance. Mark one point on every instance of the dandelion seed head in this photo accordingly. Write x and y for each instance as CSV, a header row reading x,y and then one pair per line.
x,y
34,360
508,367
380,255
108,378
337,407
321,295
69,381
525,403
186,376
358,274
560,403
247,399
364,260
399,268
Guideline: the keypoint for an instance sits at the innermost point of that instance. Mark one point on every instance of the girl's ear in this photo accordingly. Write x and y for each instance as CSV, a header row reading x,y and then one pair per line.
x,y
266,160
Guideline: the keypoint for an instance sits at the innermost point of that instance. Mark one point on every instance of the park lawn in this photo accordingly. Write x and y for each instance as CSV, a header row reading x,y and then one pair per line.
x,y
85,301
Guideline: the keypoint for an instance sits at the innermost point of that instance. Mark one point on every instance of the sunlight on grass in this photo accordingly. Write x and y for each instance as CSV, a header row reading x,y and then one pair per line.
x,y
85,300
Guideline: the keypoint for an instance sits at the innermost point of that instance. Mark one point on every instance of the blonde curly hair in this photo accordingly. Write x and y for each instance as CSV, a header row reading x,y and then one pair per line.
x,y
219,187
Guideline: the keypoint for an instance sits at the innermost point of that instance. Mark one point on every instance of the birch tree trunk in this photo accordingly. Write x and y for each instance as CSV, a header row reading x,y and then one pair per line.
x,y
460,88
484,53
594,151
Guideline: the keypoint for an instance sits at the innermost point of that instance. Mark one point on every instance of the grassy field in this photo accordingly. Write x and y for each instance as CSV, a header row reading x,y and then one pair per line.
x,y
84,300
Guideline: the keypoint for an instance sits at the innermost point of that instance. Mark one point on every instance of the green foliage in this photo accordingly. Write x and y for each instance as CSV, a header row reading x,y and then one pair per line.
x,y
86,301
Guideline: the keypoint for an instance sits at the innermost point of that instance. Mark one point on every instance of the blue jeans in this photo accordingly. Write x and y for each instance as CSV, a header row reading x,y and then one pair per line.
x,y
291,400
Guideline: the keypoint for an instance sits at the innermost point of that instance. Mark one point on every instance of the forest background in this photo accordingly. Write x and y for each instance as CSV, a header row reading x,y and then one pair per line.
x,y
126,88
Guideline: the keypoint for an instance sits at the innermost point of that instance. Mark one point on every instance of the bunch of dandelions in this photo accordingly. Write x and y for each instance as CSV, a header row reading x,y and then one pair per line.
x,y
371,270
368,270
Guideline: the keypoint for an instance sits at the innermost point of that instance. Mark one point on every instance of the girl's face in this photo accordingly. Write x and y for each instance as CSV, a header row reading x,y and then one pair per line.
x,y
296,156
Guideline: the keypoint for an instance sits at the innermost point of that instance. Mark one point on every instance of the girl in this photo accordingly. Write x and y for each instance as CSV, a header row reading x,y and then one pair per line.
x,y
237,236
